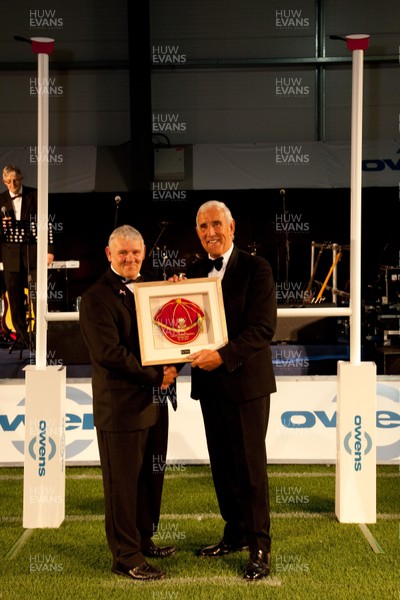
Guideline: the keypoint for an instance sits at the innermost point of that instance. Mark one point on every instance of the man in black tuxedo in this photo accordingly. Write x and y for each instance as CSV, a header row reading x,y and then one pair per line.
x,y
234,385
19,203
132,427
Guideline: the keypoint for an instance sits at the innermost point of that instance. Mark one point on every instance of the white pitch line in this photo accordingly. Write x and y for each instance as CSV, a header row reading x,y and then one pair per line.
x,y
226,581
18,544
371,540
183,475
205,516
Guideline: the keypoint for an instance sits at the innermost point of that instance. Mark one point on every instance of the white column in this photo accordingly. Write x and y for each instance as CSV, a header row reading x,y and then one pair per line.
x,y
355,498
44,462
42,47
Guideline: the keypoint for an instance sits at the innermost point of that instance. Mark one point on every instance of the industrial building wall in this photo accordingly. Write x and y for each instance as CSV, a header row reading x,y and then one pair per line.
x,y
235,72
222,71
88,80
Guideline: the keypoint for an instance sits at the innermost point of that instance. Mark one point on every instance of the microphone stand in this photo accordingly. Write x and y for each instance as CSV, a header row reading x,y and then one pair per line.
x,y
163,225
287,242
117,201
164,255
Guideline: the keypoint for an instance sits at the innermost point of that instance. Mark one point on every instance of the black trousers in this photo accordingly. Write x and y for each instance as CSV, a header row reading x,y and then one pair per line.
x,y
236,435
133,475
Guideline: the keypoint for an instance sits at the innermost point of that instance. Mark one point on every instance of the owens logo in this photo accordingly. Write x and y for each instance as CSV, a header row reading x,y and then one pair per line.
x,y
79,427
358,444
42,449
381,164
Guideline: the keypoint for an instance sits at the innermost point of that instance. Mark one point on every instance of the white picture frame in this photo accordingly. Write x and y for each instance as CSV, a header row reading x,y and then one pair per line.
x,y
161,342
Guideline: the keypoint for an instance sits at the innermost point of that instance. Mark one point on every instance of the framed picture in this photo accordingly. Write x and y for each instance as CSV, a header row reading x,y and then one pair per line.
x,y
177,319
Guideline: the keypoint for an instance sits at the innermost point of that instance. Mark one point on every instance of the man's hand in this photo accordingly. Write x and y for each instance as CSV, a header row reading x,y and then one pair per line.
x,y
170,374
176,278
208,360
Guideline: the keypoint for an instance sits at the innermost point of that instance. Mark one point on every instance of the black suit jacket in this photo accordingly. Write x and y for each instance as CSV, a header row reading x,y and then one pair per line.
x,y
251,312
123,390
14,255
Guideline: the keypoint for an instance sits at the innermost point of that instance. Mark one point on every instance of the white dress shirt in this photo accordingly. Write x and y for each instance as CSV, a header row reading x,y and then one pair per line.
x,y
17,204
221,272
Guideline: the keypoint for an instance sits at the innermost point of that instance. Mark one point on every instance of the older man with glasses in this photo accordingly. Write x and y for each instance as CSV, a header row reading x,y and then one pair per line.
x,y
19,211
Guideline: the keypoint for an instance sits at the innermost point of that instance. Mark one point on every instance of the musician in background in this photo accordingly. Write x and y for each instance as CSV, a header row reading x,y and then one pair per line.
x,y
19,203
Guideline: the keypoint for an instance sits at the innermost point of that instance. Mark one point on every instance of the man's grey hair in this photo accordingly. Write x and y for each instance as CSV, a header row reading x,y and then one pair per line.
x,y
125,231
11,169
217,204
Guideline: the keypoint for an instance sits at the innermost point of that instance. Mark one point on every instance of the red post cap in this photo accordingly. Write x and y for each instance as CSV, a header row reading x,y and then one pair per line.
x,y
357,41
42,45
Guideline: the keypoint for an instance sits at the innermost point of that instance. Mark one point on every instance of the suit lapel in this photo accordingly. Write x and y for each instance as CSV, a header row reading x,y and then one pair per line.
x,y
203,271
121,290
26,206
9,205
11,210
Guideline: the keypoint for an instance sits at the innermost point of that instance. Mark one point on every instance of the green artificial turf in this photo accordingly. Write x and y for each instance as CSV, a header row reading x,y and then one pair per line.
x,y
313,555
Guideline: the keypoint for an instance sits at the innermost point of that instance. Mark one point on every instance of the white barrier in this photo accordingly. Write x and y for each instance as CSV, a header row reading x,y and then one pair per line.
x,y
44,466
356,444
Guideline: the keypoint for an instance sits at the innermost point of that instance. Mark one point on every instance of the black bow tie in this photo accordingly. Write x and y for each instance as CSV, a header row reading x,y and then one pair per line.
x,y
215,263
126,280
17,196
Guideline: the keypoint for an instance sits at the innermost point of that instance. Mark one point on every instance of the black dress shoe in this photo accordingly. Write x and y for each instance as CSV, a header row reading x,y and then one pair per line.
x,y
142,572
221,549
258,565
159,551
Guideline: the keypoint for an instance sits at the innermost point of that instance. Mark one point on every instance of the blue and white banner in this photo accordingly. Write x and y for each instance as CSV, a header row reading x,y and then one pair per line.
x,y
302,426
293,165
